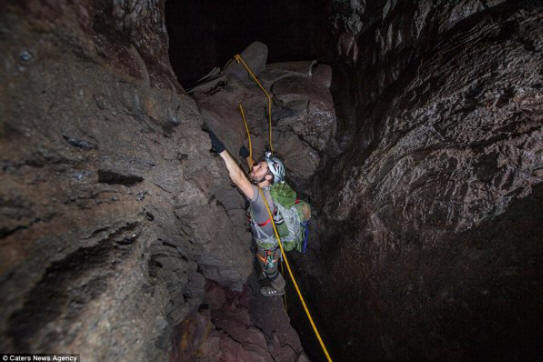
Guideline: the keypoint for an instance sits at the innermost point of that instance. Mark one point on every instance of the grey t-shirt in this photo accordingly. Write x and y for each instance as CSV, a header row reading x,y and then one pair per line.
x,y
259,211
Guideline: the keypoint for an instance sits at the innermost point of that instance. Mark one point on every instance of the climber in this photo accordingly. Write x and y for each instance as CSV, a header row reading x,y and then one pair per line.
x,y
270,171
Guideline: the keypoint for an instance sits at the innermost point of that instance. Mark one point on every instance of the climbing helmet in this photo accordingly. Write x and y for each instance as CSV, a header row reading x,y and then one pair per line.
x,y
275,166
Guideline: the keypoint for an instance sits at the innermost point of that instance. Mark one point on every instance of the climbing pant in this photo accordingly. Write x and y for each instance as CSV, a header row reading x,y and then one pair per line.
x,y
269,261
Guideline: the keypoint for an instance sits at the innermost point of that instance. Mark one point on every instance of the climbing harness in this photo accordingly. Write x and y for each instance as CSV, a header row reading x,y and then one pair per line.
x,y
289,225
268,261
240,60
262,239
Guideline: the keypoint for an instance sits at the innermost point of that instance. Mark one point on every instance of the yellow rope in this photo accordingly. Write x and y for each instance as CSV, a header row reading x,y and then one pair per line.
x,y
328,358
242,111
284,295
240,60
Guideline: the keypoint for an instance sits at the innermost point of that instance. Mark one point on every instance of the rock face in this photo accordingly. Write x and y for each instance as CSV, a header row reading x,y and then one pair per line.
x,y
114,215
105,176
303,116
432,207
237,326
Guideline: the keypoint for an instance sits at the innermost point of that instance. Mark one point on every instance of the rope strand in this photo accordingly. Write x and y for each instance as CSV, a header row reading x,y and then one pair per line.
x,y
242,111
240,60
304,305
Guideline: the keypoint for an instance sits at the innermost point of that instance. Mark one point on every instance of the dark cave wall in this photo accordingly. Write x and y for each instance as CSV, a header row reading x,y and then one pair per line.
x,y
431,201
104,176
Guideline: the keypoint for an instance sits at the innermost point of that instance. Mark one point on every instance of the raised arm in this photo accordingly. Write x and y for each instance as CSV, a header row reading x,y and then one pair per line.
x,y
234,171
237,175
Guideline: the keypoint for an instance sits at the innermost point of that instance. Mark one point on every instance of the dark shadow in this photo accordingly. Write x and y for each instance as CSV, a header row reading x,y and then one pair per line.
x,y
206,34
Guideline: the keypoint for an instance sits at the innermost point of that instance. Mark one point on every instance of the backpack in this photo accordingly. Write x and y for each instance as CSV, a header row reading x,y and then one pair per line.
x,y
291,220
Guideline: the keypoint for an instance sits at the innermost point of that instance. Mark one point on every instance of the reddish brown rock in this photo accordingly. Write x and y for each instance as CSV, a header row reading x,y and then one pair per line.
x,y
246,327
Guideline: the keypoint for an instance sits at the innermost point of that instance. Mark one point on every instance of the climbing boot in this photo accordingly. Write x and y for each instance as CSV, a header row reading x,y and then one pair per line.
x,y
271,292
277,287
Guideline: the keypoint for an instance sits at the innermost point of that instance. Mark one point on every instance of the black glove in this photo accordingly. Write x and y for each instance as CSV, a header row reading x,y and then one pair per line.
x,y
216,144
243,152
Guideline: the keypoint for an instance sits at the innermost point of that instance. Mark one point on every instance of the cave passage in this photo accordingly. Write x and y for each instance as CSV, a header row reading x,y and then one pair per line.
x,y
414,129
293,31
207,34
375,50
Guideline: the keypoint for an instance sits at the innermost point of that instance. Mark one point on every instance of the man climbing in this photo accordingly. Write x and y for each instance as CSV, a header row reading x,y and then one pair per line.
x,y
262,175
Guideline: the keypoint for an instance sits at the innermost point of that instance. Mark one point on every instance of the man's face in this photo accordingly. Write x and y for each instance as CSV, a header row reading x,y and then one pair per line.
x,y
259,172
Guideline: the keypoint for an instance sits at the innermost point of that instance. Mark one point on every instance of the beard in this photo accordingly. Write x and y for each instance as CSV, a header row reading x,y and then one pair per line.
x,y
255,181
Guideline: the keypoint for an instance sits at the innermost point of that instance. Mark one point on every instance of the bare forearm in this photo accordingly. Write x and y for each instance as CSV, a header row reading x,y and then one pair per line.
x,y
234,171
236,175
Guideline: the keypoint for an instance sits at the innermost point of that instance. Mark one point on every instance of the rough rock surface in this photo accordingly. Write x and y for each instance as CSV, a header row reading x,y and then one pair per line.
x,y
432,201
114,215
237,326
105,176
303,116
